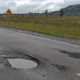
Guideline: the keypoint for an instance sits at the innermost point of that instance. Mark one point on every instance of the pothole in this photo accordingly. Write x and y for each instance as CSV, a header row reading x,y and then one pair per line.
x,y
74,55
22,63
19,60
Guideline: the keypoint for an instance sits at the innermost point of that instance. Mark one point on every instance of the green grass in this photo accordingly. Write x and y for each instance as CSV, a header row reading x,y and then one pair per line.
x,y
68,26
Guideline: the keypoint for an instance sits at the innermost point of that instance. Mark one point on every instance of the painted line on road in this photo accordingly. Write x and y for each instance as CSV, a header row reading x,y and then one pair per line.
x,y
78,74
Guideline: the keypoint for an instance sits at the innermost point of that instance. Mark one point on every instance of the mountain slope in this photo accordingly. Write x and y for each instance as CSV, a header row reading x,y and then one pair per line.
x,y
72,9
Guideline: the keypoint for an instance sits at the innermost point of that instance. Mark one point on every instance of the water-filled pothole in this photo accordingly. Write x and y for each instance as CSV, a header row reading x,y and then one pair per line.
x,y
22,63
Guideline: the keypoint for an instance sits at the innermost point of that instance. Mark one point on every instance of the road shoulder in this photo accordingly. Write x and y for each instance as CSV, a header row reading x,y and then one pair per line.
x,y
53,37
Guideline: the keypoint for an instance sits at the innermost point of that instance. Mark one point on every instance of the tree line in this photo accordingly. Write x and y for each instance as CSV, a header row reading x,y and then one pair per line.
x,y
46,13
61,12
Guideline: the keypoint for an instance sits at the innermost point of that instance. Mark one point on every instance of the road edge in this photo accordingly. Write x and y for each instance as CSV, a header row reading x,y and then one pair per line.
x,y
53,37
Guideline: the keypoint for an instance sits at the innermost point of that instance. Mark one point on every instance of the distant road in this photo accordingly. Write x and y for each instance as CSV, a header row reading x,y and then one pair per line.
x,y
58,60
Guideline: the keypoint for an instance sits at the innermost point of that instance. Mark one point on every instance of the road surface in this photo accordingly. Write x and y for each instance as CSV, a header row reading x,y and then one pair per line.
x,y
56,60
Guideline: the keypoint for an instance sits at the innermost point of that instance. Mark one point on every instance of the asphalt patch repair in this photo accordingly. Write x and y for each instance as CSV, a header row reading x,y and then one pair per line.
x,y
74,55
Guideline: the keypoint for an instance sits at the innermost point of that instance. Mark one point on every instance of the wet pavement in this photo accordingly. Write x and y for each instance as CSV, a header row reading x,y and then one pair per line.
x,y
55,60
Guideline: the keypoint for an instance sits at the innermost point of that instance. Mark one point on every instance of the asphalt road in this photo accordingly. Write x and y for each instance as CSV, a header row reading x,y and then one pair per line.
x,y
56,60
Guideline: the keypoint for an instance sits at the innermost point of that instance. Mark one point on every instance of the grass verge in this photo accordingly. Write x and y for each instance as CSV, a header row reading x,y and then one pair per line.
x,y
63,31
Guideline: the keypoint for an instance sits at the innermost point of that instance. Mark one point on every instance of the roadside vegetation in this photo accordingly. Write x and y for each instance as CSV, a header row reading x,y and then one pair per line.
x,y
61,12
67,26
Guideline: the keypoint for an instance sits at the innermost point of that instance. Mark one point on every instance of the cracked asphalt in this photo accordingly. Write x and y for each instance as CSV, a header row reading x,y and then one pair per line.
x,y
56,60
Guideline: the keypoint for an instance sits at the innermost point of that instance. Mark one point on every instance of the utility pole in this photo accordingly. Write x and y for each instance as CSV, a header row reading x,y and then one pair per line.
x,y
46,11
17,13
46,6
38,11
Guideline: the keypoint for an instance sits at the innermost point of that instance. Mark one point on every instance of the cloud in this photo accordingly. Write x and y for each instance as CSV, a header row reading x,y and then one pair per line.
x,y
37,1
11,4
4,6
26,6
66,3
9,0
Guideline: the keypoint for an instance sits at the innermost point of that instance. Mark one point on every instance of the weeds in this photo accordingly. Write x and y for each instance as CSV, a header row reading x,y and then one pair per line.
x,y
67,26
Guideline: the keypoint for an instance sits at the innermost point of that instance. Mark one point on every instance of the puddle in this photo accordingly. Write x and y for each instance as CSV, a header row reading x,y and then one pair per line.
x,y
22,63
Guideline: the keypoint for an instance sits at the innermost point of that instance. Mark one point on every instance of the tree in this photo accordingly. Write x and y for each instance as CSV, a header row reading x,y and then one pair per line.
x,y
61,12
30,13
46,13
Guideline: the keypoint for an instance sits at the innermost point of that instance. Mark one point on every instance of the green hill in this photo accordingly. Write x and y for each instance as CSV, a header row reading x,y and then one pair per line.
x,y
72,9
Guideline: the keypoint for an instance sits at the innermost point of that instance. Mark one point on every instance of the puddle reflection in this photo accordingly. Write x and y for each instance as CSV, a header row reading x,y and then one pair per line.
x,y
22,63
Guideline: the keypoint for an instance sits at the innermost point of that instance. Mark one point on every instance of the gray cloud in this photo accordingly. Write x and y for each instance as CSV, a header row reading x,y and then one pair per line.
x,y
37,1
34,5
25,8
11,4
8,0
4,6
67,3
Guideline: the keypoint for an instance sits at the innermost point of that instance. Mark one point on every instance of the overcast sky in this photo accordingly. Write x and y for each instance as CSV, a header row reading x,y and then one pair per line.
x,y
26,6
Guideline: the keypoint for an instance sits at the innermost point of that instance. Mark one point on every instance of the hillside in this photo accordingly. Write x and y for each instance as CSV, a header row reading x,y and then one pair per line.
x,y
72,9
